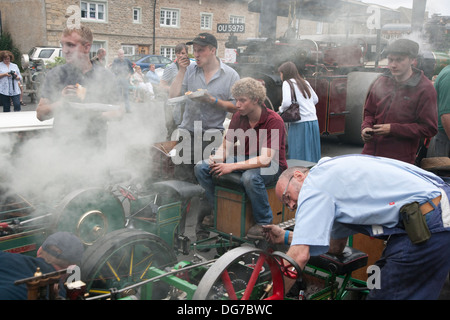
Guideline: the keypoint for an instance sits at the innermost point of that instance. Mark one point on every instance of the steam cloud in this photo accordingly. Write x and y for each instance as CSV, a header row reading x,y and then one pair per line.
x,y
43,170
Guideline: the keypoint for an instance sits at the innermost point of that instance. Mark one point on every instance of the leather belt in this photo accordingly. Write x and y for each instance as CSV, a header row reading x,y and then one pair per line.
x,y
427,207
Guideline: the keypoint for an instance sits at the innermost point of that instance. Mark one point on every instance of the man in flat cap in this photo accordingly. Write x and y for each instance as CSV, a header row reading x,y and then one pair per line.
x,y
401,108
59,251
207,113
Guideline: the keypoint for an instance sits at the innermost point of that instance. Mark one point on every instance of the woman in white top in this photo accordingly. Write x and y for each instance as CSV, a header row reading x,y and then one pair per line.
x,y
303,135
9,82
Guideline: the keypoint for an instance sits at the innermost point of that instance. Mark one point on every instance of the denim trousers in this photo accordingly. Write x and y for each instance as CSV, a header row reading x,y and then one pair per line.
x,y
254,184
5,101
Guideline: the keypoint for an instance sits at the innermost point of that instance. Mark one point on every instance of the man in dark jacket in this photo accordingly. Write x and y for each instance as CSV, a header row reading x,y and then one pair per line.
x,y
400,109
58,251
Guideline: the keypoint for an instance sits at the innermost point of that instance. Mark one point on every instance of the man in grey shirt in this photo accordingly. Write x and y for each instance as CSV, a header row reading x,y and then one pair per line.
x,y
208,73
206,113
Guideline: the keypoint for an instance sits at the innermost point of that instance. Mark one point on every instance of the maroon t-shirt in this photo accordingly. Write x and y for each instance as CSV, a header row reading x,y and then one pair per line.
x,y
269,132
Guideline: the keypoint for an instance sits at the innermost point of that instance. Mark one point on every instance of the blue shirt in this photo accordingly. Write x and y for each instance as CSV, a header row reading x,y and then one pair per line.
x,y
7,87
354,191
15,266
219,86
152,77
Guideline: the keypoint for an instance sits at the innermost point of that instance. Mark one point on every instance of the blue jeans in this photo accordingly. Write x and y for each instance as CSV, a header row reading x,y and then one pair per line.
x,y
5,101
254,184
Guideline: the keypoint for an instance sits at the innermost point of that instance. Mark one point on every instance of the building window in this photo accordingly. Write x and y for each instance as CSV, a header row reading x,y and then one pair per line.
x,y
137,15
128,50
93,11
237,19
169,17
319,27
206,21
168,52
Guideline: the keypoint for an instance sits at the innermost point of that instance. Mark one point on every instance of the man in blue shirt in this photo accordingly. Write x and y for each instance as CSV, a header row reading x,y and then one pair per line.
x,y
58,251
364,194
151,75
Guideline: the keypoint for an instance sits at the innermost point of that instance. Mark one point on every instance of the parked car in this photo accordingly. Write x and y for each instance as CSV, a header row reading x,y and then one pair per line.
x,y
144,61
46,54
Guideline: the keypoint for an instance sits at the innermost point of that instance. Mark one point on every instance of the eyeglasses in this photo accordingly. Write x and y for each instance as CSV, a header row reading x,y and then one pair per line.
x,y
284,197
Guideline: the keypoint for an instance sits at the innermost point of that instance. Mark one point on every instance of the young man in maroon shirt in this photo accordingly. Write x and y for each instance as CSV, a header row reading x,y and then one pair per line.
x,y
254,145
401,107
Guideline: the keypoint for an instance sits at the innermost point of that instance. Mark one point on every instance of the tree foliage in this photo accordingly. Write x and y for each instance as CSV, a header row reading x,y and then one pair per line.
x,y
6,43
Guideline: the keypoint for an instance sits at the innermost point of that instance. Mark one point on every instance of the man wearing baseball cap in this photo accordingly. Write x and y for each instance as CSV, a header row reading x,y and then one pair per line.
x,y
401,107
207,112
58,251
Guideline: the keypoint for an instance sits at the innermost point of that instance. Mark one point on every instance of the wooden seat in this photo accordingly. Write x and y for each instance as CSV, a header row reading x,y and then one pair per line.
x,y
233,210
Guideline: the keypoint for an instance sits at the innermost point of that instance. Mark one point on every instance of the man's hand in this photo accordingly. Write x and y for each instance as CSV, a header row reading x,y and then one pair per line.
x,y
273,233
367,134
184,62
70,93
382,129
219,169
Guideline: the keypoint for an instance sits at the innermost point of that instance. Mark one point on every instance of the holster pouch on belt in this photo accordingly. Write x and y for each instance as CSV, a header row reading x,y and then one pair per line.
x,y
415,223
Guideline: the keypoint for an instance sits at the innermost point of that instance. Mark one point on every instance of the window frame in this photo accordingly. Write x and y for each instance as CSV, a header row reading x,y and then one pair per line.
x,y
164,50
139,12
87,11
206,15
234,17
125,48
164,20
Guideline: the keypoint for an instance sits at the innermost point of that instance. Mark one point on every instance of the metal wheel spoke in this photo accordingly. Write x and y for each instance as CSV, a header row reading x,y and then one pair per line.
x,y
113,270
254,277
124,257
131,261
228,285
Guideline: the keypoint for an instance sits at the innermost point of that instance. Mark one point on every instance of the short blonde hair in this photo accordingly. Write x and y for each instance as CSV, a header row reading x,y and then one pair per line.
x,y
250,88
84,32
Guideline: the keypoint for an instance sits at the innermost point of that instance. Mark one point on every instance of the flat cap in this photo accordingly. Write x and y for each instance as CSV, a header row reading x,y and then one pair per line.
x,y
65,246
403,46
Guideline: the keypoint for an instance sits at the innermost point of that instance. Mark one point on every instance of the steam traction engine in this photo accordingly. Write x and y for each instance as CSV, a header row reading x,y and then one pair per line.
x,y
130,232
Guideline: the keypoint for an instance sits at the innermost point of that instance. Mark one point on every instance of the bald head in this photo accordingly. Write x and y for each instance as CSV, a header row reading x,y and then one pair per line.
x,y
289,185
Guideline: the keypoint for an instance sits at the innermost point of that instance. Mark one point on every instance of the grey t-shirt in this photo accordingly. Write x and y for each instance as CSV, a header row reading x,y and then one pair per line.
x,y
78,124
211,117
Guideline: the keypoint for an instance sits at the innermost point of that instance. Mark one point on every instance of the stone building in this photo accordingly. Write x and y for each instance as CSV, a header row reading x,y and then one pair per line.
x,y
137,26
156,26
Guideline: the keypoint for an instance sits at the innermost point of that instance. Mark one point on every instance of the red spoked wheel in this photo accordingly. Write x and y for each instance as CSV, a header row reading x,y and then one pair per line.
x,y
244,273
288,266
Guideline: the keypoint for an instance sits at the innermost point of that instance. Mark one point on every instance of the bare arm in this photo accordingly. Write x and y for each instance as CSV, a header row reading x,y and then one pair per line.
x,y
45,109
445,119
175,87
300,254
